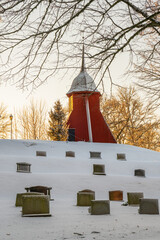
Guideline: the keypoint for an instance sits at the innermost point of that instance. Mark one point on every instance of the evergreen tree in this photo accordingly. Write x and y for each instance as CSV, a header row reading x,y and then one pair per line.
x,y
57,124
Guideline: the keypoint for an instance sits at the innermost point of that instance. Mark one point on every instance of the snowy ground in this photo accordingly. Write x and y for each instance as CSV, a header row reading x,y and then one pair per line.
x,y
67,176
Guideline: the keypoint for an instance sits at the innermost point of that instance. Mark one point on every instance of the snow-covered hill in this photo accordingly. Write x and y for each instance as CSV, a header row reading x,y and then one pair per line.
x,y
13,151
67,176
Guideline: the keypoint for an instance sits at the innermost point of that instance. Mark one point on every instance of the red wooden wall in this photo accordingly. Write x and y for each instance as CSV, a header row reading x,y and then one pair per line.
x,y
78,119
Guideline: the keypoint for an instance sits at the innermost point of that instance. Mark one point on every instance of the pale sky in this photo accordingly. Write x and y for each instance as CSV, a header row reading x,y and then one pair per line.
x,y
56,89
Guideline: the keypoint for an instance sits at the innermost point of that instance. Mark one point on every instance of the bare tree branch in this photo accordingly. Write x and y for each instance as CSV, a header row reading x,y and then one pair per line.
x,y
38,37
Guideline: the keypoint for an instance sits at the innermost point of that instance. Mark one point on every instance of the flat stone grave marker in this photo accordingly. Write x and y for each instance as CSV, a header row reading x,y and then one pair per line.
x,y
116,195
121,156
41,154
41,189
139,172
70,154
35,205
133,197
99,169
85,197
99,207
95,154
20,195
149,206
23,167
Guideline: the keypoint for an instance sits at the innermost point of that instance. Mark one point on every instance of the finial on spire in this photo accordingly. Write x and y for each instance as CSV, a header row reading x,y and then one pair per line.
x,y
83,64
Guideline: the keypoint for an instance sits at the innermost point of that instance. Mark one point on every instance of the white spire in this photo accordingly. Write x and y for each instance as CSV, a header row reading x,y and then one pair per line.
x,y
83,82
83,63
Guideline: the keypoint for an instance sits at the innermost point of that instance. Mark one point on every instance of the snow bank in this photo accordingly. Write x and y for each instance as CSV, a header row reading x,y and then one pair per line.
x,y
67,176
13,151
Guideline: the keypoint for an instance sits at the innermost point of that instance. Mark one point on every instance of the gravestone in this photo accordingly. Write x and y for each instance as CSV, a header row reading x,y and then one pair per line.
x,y
133,197
99,169
35,205
99,207
23,167
20,195
85,197
41,189
148,206
116,195
41,154
139,172
121,156
95,154
70,154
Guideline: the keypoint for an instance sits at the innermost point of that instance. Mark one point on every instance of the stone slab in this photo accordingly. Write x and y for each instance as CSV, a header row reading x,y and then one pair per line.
x,y
85,197
40,189
133,197
70,154
116,195
35,205
37,215
139,173
100,207
149,206
99,169
20,195
23,167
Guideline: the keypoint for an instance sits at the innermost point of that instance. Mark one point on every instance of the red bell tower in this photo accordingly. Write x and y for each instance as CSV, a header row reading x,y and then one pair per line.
x,y
86,122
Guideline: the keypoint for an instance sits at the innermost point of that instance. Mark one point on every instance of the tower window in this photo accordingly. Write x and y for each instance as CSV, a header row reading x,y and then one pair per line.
x,y
70,104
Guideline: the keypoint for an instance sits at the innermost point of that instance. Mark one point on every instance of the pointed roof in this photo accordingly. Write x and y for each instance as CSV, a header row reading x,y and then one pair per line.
x,y
83,82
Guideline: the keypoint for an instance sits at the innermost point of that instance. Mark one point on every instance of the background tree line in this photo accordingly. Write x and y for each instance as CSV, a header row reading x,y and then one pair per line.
x,y
34,121
130,120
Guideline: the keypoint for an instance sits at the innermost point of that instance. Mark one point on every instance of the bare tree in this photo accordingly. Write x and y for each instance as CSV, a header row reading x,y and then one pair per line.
x,y
15,125
35,35
5,125
131,121
32,121
148,73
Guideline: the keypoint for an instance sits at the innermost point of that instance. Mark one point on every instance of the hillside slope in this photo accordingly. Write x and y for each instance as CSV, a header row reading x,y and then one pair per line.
x,y
67,176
